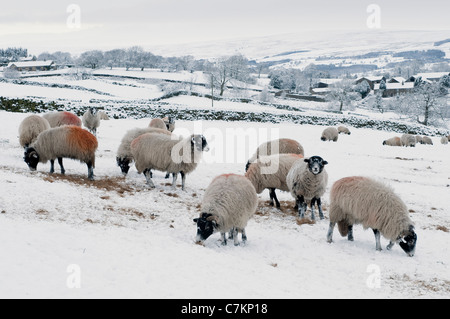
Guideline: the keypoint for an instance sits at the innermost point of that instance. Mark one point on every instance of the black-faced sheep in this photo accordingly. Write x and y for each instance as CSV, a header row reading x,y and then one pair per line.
x,y
124,156
170,123
57,119
330,134
63,142
161,152
270,172
307,181
30,128
408,140
91,120
395,141
280,146
361,200
343,130
228,204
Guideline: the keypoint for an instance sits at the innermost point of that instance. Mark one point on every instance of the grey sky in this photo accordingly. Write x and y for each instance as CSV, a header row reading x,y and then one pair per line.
x,y
41,25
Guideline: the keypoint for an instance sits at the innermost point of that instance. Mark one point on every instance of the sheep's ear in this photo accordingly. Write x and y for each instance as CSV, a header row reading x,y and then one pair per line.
x,y
306,160
196,220
325,163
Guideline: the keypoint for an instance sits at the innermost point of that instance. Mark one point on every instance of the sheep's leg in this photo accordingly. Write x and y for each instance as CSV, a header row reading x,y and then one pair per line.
x,y
391,244
174,180
60,162
52,166
148,177
90,171
330,232
273,197
244,235
235,236
183,181
319,205
224,239
350,233
301,206
231,234
313,206
377,239
167,176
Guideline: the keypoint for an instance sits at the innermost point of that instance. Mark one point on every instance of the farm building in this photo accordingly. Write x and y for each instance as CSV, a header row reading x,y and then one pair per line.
x,y
393,89
32,66
371,80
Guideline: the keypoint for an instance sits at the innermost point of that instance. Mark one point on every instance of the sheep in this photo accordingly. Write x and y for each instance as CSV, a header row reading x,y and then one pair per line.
x,y
395,141
57,119
280,146
163,153
419,139
444,140
103,116
158,123
427,141
229,203
408,140
307,181
362,200
30,128
271,179
68,141
343,130
170,123
124,156
91,120
330,134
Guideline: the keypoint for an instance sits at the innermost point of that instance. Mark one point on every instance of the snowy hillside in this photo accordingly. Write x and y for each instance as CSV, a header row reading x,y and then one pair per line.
x,y
116,238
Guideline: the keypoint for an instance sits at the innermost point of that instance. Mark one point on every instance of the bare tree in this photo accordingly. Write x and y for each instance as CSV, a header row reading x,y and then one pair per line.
x,y
343,93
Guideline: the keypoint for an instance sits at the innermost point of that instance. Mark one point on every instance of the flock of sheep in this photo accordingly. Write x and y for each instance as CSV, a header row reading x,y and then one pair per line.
x,y
230,200
408,140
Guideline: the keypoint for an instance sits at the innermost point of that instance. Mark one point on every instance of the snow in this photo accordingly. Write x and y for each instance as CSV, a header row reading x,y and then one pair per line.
x,y
118,239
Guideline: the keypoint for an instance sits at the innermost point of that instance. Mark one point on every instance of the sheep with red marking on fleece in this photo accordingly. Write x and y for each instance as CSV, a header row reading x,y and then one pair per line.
x,y
279,146
330,134
307,181
63,142
227,206
124,156
362,200
30,128
57,119
164,153
269,172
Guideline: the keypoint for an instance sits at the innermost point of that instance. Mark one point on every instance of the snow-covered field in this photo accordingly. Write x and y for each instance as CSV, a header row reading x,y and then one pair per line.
x,y
65,237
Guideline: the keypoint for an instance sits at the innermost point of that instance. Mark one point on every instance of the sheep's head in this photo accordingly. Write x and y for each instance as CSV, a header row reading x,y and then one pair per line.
x,y
31,157
200,143
124,164
408,242
316,164
206,226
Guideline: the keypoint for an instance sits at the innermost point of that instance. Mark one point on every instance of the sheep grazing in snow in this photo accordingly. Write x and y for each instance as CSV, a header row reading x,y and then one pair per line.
x,y
30,128
228,204
91,120
124,156
444,140
270,172
419,139
63,142
361,200
307,181
57,119
158,123
395,141
343,130
330,134
408,140
161,152
170,123
280,146
103,116
427,141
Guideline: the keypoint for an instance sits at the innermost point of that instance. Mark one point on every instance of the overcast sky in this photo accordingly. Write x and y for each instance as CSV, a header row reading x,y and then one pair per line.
x,y
42,25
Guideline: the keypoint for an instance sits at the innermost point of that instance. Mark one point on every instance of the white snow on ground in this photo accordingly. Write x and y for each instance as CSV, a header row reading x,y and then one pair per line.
x,y
117,238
